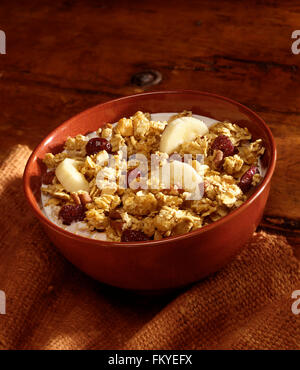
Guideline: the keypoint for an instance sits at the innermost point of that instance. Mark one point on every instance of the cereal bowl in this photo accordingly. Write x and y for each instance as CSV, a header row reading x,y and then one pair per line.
x,y
173,261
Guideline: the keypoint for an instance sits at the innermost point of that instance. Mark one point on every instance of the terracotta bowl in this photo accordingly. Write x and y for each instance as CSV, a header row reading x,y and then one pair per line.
x,y
175,261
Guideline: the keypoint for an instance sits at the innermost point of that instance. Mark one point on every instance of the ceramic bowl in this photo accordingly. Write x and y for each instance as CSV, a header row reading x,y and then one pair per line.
x,y
174,261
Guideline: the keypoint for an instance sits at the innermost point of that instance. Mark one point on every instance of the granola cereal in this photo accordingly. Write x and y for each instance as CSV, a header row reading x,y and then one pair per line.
x,y
106,185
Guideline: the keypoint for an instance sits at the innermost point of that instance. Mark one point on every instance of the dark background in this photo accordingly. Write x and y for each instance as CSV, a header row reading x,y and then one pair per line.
x,y
65,56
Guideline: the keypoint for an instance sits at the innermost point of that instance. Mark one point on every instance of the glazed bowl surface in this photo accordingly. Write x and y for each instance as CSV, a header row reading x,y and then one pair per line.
x,y
171,262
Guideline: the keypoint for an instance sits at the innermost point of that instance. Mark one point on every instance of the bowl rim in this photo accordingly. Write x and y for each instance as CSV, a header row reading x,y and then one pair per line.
x,y
104,243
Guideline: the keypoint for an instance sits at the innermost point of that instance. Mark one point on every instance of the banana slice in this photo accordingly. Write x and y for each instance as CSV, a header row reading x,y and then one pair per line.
x,y
70,178
180,174
181,130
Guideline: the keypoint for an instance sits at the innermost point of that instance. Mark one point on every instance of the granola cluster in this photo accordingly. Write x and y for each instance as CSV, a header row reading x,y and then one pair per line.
x,y
229,171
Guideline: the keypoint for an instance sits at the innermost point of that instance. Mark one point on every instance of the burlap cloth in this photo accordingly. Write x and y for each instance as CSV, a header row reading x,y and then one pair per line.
x,y
52,305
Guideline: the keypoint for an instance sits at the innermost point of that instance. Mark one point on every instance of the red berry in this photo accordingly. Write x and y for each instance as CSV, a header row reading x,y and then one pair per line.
x,y
97,144
246,179
133,236
69,213
48,177
224,144
117,225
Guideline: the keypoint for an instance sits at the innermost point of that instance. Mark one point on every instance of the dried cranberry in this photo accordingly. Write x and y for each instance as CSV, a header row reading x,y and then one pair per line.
x,y
48,177
97,144
246,179
133,236
224,144
117,225
69,213
115,214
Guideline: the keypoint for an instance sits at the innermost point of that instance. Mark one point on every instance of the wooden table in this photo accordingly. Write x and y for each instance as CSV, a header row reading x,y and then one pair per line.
x,y
65,56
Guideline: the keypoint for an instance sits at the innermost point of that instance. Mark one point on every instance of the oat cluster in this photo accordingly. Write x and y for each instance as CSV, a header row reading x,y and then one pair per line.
x,y
156,213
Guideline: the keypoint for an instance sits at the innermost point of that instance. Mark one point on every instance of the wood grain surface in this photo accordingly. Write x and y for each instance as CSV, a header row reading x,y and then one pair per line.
x,y
65,56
